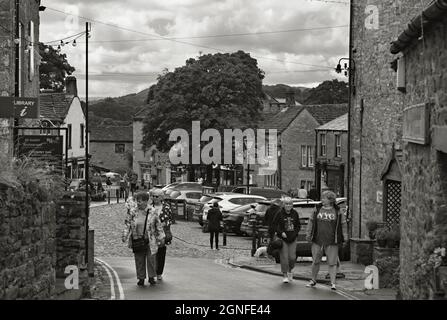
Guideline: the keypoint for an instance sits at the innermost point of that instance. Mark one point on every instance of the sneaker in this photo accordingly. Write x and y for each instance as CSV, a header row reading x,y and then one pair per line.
x,y
290,276
152,281
159,277
285,280
333,288
311,284
140,283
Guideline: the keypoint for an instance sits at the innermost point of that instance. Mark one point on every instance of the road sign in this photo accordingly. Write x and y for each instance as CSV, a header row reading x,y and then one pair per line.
x,y
47,149
14,107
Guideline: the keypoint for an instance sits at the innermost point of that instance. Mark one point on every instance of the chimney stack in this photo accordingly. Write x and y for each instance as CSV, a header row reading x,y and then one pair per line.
x,y
290,97
71,87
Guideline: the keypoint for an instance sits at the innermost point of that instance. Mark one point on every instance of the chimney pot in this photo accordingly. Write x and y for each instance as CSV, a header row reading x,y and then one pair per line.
x,y
71,87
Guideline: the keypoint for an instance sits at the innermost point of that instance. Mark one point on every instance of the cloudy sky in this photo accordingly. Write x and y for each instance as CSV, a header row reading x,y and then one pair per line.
x,y
296,42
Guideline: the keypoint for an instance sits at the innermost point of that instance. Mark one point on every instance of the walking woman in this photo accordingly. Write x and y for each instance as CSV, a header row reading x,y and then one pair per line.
x,y
326,234
287,228
214,218
163,211
144,233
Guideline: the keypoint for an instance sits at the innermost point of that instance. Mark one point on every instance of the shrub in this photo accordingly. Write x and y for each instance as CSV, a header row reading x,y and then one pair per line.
x,y
382,234
389,270
372,225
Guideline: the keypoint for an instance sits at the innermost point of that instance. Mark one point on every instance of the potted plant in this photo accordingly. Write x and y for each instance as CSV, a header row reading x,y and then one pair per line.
x,y
395,236
382,236
372,226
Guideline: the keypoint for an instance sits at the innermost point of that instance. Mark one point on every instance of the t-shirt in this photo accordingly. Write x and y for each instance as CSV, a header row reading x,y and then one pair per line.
x,y
326,226
139,224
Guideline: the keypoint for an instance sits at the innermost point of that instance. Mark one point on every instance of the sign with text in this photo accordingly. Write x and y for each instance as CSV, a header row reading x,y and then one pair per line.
x,y
14,107
47,149
416,124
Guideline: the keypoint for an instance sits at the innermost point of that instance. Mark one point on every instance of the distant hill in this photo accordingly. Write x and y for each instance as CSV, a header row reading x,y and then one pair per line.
x,y
120,110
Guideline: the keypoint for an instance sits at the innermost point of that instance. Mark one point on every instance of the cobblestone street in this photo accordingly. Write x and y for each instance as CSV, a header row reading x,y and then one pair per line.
x,y
189,240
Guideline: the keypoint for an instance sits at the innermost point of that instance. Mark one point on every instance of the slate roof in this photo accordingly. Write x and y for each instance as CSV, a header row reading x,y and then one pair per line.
x,y
338,124
281,120
54,106
112,134
324,113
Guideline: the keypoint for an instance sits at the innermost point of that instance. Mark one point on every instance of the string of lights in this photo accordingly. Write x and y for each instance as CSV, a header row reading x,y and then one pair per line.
x,y
178,41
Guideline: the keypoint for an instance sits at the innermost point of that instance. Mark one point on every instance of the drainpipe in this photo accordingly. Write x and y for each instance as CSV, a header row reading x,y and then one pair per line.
x,y
348,193
361,167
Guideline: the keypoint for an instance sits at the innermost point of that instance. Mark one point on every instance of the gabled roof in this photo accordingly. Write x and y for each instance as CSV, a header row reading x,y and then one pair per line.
x,y
55,106
282,119
111,134
338,124
324,113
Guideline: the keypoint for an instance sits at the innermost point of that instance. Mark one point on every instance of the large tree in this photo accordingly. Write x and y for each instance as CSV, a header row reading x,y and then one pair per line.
x,y
53,69
328,92
222,91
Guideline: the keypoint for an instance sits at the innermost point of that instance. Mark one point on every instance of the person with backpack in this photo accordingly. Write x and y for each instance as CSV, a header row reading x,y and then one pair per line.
x,y
326,234
287,228
270,220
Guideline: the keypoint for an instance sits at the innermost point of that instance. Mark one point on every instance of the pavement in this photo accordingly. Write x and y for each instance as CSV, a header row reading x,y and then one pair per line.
x,y
352,283
190,250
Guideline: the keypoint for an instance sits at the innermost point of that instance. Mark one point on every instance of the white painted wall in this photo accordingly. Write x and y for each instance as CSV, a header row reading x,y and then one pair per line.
x,y
75,117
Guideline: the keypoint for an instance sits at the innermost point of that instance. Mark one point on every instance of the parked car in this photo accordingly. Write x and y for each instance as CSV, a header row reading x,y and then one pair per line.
x,y
269,193
198,209
179,186
79,185
233,218
227,202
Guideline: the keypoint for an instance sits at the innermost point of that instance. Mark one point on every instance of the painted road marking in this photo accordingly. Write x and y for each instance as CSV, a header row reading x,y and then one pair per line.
x,y
118,281
112,283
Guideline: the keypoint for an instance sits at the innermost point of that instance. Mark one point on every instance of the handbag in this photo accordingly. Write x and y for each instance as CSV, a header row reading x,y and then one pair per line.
x,y
141,244
275,244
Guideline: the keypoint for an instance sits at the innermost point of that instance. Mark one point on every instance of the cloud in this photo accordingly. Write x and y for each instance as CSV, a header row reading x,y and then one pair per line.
x,y
281,55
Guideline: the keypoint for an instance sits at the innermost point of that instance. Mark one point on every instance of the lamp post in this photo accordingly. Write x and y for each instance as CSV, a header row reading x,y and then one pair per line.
x,y
87,178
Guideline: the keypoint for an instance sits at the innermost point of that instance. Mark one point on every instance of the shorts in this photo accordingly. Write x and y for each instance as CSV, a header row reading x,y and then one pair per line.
x,y
331,252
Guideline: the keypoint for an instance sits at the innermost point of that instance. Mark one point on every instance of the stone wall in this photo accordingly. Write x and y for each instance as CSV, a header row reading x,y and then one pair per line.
x,y
379,125
424,198
27,245
104,155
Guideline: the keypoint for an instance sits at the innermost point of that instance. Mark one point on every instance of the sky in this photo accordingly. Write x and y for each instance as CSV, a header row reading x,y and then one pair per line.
x,y
296,42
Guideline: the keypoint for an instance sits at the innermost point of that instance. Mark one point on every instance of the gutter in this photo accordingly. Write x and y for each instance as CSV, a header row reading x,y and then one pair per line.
x,y
434,12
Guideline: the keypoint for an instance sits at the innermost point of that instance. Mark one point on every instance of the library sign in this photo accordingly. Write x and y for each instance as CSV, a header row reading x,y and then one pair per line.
x,y
14,107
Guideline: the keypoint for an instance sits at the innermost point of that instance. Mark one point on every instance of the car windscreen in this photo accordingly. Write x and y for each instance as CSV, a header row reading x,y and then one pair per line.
x,y
205,198
184,186
242,201
305,212
193,195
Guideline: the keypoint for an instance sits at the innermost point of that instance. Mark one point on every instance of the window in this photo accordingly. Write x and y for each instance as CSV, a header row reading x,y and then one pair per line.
x,y
338,146
82,135
310,156
119,148
307,184
307,156
69,131
304,156
31,70
322,144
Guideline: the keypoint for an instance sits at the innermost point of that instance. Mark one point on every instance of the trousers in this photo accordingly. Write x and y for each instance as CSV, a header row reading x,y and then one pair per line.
x,y
160,260
287,256
145,260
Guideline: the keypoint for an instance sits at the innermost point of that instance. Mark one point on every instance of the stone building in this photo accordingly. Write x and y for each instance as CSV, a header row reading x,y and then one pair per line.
x,y
332,156
111,147
397,128
20,59
296,144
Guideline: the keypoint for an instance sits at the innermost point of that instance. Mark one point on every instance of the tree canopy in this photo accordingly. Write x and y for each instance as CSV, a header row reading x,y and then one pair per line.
x,y
328,92
53,69
222,91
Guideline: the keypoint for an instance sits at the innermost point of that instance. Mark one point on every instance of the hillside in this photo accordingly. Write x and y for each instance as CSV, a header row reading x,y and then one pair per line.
x,y
120,110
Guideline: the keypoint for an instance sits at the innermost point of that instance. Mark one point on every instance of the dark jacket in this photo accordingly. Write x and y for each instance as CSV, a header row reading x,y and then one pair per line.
x,y
214,217
282,220
311,233
271,217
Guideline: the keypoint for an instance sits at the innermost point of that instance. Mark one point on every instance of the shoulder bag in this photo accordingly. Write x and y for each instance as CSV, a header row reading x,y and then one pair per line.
x,y
141,244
